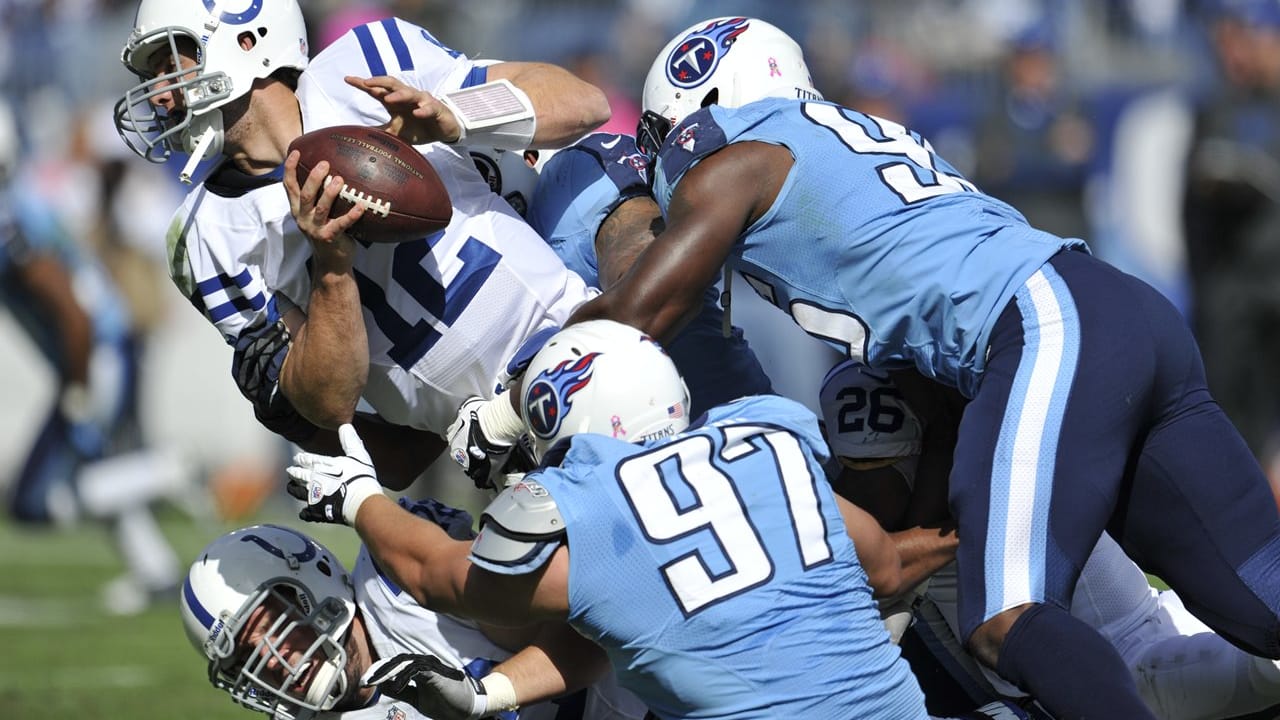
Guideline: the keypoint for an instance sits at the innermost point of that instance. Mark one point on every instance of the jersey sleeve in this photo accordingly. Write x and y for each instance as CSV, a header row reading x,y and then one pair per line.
x,y
390,47
690,141
578,189
226,259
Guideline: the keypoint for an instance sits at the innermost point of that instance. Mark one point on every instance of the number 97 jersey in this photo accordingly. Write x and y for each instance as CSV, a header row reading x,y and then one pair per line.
x,y
714,568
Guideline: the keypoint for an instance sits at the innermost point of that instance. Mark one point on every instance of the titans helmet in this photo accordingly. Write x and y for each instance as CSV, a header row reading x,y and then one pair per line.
x,y
604,377
509,175
727,61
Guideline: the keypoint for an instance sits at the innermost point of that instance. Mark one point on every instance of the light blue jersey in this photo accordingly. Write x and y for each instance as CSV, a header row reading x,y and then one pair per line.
x,y
579,187
715,570
30,228
874,244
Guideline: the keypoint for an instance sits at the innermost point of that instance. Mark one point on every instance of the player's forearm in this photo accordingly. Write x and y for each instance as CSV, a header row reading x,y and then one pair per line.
x,y
924,550
566,106
50,284
328,363
418,555
559,661
661,313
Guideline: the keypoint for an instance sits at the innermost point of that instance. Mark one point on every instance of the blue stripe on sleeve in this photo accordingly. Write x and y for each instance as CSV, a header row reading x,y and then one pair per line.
x,y
234,305
370,50
223,281
398,44
477,76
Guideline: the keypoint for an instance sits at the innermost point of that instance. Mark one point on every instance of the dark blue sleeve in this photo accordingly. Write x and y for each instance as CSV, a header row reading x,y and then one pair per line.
x,y
578,189
695,138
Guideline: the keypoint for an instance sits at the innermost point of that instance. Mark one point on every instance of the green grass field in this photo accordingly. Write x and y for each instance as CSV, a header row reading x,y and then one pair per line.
x,y
63,656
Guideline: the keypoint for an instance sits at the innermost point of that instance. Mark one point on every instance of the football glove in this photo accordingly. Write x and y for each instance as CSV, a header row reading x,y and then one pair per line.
x,y
482,458
437,689
334,487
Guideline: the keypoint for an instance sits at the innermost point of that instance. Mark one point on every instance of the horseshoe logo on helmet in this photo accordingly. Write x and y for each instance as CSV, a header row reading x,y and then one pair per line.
x,y
248,15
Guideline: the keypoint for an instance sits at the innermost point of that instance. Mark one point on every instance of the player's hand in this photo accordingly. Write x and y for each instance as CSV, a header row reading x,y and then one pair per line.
x,y
416,115
435,688
334,487
311,203
480,457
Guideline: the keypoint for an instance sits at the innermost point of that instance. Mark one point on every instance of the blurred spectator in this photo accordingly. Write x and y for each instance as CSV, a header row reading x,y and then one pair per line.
x,y
88,459
1035,141
1233,218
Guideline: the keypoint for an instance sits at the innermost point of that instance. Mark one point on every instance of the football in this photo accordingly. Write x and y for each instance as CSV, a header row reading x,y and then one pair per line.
x,y
403,195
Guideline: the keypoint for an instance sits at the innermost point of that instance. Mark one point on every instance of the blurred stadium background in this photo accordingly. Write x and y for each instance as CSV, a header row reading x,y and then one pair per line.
x,y
1088,115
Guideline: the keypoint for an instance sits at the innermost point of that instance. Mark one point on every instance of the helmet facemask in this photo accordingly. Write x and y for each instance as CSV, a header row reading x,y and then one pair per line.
x,y
228,50
295,666
153,132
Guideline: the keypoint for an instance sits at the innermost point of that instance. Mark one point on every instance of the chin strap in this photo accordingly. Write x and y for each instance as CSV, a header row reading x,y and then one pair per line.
x,y
202,147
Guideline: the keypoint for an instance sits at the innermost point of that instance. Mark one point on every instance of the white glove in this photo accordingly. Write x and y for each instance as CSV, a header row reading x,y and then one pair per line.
x,y
334,487
482,437
440,690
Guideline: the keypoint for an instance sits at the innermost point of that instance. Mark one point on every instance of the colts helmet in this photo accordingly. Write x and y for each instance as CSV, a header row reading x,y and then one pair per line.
x,y
239,573
604,377
276,37
728,61
509,175
865,415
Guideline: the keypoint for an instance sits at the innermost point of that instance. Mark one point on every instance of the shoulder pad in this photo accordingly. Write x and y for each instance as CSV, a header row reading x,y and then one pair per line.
x,y
698,136
619,159
519,530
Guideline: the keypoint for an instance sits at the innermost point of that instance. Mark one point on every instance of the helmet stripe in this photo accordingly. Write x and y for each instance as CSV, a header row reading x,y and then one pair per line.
x,y
197,608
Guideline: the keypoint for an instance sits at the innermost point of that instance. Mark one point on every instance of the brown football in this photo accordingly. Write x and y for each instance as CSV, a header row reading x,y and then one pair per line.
x,y
403,195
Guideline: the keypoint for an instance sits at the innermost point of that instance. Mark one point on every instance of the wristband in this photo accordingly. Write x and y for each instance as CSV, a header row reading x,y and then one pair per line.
x,y
493,114
499,692
358,491
499,421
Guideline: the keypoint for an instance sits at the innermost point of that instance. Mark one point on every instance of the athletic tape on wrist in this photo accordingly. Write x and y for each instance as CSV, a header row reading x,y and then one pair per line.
x,y
499,421
500,693
357,492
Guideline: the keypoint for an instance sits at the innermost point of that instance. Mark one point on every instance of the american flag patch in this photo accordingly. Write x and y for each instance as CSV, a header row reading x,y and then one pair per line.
x,y
676,411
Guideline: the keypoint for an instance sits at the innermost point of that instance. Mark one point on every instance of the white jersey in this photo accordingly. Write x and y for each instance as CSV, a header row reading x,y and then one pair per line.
x,y
443,314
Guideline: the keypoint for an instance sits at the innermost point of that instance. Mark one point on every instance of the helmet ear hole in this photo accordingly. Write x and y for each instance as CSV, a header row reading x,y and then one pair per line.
x,y
711,98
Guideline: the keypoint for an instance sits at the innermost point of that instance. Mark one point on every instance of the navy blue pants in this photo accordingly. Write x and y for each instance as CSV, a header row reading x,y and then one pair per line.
x,y
1093,413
